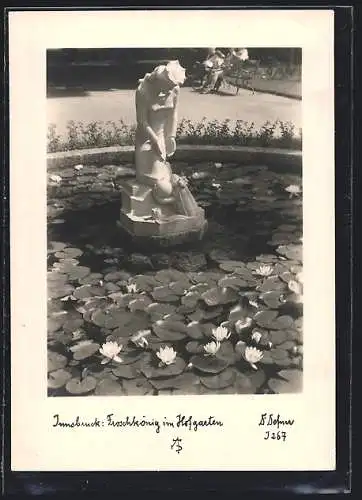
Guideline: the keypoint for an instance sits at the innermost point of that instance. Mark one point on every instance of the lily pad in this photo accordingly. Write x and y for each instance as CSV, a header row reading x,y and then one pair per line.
x,y
170,330
117,276
137,387
233,282
206,277
78,272
125,371
291,252
282,322
249,383
72,324
220,381
135,321
272,284
58,378
231,266
77,386
149,367
158,311
112,318
190,300
55,246
56,361
55,324
272,299
131,355
109,387
69,253
57,290
186,381
209,313
194,330
291,382
216,296
91,279
164,294
265,318
140,303
287,345
195,347
179,287
278,337
84,349
267,359
209,364
167,276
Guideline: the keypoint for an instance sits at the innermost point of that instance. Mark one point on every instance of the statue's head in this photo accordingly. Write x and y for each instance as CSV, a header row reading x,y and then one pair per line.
x,y
170,75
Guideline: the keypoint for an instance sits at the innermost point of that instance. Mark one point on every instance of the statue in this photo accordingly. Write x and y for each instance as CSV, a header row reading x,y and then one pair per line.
x,y
159,204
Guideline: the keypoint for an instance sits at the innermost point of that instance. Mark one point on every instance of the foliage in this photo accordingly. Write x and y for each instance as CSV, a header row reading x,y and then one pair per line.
x,y
102,134
115,328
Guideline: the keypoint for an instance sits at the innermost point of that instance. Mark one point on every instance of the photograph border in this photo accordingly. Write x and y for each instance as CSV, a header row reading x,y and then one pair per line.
x,y
324,481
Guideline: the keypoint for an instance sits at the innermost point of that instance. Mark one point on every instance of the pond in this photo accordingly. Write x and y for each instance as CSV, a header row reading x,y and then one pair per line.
x,y
222,316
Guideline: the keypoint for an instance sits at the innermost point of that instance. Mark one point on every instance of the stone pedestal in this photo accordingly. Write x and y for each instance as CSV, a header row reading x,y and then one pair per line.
x,y
138,218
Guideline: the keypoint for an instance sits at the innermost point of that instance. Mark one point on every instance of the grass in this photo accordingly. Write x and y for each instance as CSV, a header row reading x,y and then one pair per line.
x,y
99,134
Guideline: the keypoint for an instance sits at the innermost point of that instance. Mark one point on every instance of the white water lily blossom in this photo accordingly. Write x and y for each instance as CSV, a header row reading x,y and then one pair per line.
x,y
293,190
139,338
242,324
220,333
264,270
110,351
167,355
78,167
132,288
211,348
256,337
252,355
56,178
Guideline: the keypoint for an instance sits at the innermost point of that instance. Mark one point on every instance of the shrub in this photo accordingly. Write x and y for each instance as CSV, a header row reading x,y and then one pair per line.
x,y
102,134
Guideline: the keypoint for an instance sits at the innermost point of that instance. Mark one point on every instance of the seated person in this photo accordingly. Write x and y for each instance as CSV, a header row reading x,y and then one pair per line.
x,y
214,63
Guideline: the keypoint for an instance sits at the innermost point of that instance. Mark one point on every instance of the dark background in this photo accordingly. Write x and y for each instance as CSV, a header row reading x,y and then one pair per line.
x,y
122,67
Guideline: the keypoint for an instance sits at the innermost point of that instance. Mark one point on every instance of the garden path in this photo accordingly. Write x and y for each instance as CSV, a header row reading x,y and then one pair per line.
x,y
115,104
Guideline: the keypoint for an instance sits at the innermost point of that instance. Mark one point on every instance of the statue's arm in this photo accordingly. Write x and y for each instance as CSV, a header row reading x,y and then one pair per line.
x,y
142,119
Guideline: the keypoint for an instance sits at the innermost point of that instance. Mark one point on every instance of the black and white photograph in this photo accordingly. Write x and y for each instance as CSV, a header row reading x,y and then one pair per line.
x,y
172,236
175,221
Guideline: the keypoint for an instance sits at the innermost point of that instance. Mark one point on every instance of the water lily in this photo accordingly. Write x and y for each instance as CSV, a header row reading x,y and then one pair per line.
x,y
256,337
110,351
242,324
139,338
220,333
132,288
264,270
216,185
293,190
252,355
211,348
218,165
56,178
78,167
167,355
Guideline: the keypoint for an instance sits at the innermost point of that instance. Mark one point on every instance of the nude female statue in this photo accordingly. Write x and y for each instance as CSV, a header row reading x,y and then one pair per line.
x,y
156,108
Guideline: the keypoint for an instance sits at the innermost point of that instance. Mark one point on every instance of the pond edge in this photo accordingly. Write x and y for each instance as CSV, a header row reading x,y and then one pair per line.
x,y
283,159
